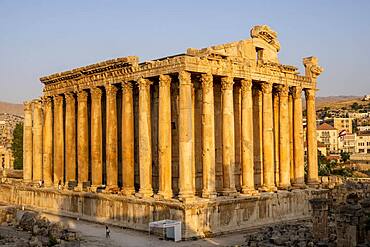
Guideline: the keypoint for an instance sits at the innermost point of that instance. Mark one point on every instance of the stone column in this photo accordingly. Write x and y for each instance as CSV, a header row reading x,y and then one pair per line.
x,y
111,140
298,138
127,139
145,142
276,114
312,178
96,138
228,141
83,138
37,141
284,144
257,137
247,138
48,142
70,137
27,143
186,191
267,138
291,135
208,137
164,137
58,140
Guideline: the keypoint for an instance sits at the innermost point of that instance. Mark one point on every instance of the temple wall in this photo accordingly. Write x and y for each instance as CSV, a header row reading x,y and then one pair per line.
x,y
200,218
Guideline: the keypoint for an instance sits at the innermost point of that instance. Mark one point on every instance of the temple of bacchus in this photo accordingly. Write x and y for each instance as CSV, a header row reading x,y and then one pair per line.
x,y
213,137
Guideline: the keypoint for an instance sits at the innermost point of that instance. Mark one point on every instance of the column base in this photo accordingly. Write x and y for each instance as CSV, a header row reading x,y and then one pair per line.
x,y
163,195
111,189
296,186
209,194
229,192
127,191
313,183
284,187
144,193
248,191
186,196
268,188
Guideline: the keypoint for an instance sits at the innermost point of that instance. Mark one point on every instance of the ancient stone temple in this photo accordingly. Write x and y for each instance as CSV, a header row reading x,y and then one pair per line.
x,y
212,126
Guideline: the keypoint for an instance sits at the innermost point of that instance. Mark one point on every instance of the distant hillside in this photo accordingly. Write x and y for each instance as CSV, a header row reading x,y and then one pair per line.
x,y
16,109
338,101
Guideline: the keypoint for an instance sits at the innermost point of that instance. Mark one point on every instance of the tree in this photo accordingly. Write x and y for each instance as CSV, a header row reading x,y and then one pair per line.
x,y
17,146
344,156
355,106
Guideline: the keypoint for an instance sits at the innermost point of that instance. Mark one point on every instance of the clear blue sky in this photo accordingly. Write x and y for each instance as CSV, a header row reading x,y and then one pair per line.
x,y
38,38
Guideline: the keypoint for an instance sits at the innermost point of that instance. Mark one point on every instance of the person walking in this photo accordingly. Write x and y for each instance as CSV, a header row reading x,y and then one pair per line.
x,y
107,232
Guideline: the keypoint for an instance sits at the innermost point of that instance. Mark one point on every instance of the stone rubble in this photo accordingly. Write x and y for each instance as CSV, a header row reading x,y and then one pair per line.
x,y
32,230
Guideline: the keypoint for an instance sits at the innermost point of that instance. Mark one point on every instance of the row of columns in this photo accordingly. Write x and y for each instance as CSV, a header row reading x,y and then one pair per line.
x,y
45,154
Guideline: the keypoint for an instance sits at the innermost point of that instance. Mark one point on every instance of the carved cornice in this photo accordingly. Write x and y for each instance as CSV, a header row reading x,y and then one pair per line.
x,y
164,81
312,69
93,69
266,87
227,83
265,33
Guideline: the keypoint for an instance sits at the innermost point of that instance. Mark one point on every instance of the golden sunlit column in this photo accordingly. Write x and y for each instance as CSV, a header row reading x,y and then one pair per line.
x,y
312,178
208,137
27,143
145,142
48,141
291,135
58,140
164,137
186,140
83,138
267,138
111,140
228,139
127,139
96,139
70,137
298,138
37,141
247,138
284,150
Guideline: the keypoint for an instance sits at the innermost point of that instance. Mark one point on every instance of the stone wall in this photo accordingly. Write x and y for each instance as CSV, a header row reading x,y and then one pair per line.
x,y
200,218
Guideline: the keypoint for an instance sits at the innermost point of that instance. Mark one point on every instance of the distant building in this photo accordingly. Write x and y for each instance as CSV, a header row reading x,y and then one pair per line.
x,y
366,97
328,136
363,143
357,115
348,143
363,128
343,124
322,148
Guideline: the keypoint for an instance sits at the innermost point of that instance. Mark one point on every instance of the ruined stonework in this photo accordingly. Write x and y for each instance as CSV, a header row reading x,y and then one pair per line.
x,y
219,123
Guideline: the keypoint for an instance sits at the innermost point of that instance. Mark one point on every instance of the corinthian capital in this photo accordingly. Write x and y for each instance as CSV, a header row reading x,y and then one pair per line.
x,y
164,80
207,82
69,97
184,77
82,95
46,101
266,87
246,85
143,83
297,92
58,99
27,105
310,93
127,85
96,92
282,90
110,89
227,83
